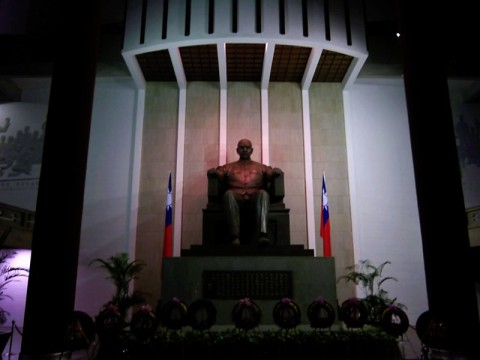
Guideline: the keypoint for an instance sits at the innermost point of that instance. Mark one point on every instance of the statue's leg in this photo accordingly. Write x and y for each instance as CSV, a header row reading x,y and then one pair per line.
x,y
232,212
262,208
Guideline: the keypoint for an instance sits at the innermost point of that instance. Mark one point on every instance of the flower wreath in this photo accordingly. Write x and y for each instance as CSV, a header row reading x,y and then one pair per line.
x,y
143,323
246,314
109,321
353,313
80,331
286,313
394,320
173,314
434,329
201,314
320,313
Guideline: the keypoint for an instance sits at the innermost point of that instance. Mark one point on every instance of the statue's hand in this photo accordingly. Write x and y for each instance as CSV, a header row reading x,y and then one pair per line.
x,y
277,171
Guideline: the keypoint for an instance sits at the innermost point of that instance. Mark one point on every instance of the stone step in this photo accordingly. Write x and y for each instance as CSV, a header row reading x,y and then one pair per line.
x,y
247,250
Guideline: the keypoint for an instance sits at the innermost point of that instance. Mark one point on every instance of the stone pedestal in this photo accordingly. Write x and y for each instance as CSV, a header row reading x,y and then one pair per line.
x,y
265,279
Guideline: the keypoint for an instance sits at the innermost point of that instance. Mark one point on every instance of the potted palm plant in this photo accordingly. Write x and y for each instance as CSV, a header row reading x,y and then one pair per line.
x,y
111,321
121,271
8,274
377,306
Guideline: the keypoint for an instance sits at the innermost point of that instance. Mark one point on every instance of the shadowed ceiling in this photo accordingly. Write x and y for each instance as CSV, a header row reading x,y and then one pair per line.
x,y
244,63
30,54
27,48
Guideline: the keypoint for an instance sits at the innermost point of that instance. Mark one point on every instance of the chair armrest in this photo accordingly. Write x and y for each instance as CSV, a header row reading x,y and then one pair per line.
x,y
215,188
277,189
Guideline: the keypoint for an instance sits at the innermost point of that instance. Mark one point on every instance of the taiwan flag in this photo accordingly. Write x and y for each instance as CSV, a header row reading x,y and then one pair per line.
x,y
167,238
325,221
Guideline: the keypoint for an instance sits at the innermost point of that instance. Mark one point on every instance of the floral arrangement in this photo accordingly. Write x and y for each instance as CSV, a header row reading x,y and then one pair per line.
x,y
139,341
353,312
286,313
376,308
144,322
201,314
371,279
109,322
173,314
246,314
394,320
320,313
371,343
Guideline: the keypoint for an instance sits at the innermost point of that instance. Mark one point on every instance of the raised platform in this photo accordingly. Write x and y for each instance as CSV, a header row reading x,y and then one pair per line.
x,y
247,250
227,279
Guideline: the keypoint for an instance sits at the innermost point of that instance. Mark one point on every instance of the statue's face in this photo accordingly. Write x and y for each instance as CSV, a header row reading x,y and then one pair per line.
x,y
244,149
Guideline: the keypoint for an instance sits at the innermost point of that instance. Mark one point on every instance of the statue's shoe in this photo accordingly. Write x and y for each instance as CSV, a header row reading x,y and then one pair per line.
x,y
263,242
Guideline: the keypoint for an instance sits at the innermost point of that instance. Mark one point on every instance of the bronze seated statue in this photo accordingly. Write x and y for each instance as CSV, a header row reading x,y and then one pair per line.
x,y
215,229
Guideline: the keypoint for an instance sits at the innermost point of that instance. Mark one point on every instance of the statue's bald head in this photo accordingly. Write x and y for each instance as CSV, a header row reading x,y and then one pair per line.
x,y
244,142
244,149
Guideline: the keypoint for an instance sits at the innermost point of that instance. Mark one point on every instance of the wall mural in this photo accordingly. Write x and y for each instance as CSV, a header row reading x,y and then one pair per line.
x,y
468,136
20,150
467,131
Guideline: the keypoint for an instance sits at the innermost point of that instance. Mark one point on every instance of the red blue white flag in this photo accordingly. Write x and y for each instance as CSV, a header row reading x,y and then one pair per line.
x,y
168,238
325,221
